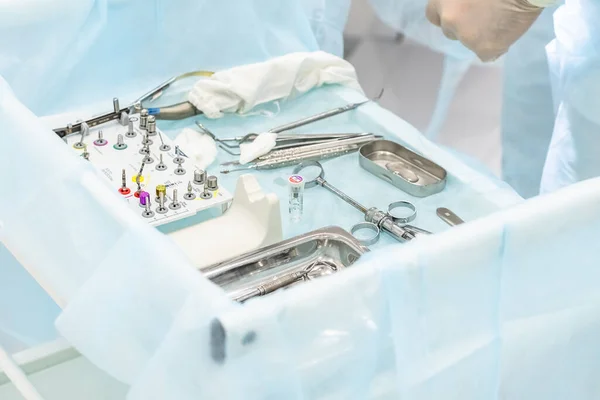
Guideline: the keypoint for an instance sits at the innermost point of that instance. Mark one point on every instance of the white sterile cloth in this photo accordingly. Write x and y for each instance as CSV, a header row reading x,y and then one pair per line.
x,y
239,89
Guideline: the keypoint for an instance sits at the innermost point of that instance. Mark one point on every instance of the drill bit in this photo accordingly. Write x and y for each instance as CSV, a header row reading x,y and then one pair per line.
x,y
190,195
163,147
161,166
175,204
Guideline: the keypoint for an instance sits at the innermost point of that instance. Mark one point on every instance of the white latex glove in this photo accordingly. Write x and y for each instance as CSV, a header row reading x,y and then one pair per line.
x,y
487,27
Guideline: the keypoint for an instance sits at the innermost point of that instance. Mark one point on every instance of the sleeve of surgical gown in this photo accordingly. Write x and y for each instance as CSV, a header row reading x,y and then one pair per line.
x,y
574,58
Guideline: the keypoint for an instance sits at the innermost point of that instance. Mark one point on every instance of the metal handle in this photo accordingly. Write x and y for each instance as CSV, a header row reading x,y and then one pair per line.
x,y
270,286
449,217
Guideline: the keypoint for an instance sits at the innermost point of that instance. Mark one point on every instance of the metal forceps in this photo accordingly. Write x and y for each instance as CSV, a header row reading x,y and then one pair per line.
x,y
395,227
302,122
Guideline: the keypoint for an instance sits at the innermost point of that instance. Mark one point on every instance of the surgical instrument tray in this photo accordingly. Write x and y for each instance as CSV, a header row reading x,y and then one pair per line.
x,y
302,258
406,170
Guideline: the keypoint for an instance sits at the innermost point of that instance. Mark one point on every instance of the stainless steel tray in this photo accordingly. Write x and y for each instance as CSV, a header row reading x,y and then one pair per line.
x,y
403,168
306,257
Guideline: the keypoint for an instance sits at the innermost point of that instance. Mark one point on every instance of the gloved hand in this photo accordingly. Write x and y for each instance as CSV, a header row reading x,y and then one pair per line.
x,y
487,27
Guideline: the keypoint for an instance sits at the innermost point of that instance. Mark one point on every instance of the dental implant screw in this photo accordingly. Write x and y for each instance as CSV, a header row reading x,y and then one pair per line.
x,y
190,195
130,131
161,165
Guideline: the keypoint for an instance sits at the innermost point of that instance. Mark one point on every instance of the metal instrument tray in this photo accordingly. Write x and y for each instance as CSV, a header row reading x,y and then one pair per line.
x,y
312,255
403,168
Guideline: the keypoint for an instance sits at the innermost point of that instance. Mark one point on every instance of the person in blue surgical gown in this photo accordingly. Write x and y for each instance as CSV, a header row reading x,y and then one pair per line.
x,y
541,152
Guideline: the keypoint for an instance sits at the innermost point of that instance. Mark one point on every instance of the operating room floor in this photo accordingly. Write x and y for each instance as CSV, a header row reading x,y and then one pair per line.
x,y
410,74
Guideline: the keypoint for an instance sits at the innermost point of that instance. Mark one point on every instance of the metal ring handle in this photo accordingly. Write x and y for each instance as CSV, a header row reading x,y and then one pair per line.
x,y
368,241
405,205
314,182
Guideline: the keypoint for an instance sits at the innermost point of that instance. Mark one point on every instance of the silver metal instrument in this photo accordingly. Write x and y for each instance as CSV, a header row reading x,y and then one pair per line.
x,y
283,141
372,236
403,168
383,220
130,129
291,137
404,205
199,177
302,258
449,217
190,195
322,151
173,112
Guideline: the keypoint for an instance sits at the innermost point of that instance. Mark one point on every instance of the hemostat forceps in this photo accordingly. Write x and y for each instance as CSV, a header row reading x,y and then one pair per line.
x,y
393,226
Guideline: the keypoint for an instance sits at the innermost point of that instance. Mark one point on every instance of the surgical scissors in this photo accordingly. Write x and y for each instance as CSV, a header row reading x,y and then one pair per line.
x,y
394,227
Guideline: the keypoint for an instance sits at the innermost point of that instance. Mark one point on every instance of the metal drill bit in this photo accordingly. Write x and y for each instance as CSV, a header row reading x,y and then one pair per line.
x,y
206,194
84,131
175,204
148,213
85,153
100,141
179,160
130,130
145,150
138,177
163,147
190,195
147,139
148,160
161,166
161,209
124,179
179,170
120,145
